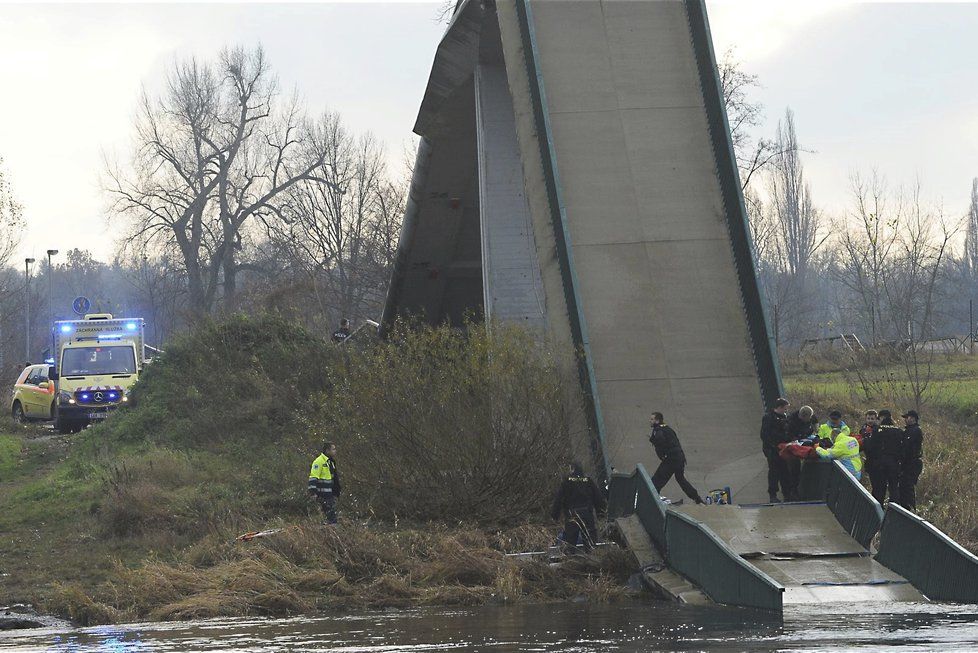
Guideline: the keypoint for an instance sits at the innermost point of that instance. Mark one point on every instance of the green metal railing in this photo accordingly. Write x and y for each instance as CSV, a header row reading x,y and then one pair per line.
x,y
691,548
621,494
649,507
934,563
853,506
814,481
700,555
634,494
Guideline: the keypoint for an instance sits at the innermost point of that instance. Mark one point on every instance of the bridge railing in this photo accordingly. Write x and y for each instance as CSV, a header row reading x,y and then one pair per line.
x,y
934,563
635,494
853,506
697,553
621,494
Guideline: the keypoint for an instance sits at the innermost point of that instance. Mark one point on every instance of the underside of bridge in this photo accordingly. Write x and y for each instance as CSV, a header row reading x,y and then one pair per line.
x,y
576,175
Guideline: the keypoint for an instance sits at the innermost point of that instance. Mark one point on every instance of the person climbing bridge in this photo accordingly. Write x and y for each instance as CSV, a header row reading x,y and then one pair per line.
x,y
324,482
673,458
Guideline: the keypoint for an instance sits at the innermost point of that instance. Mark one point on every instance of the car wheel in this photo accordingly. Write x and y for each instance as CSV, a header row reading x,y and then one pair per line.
x,y
17,412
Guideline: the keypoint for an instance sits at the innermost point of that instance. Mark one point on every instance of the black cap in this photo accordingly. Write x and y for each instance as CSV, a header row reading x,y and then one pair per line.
x,y
911,413
885,413
835,414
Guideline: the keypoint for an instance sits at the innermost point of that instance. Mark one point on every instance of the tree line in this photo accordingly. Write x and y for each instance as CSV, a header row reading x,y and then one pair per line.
x,y
891,268
235,197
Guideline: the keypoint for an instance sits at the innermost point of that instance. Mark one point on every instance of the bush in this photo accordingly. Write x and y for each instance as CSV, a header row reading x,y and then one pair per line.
x,y
243,380
443,424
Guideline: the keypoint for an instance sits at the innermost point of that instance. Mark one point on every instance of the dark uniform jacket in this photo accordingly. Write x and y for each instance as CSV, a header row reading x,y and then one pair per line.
x,y
577,492
886,442
798,429
666,444
341,334
870,441
774,430
913,447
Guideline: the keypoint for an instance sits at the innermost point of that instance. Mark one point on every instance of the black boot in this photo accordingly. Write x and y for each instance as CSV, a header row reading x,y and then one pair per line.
x,y
774,499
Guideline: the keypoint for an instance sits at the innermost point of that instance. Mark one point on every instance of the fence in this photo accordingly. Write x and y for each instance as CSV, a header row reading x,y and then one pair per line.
x,y
934,563
697,553
635,494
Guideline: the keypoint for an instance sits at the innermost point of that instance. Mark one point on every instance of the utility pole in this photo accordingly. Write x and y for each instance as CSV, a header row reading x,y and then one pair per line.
x,y
27,307
51,252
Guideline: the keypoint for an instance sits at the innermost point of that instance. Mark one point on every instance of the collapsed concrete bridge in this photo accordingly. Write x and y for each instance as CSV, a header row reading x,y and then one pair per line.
x,y
576,175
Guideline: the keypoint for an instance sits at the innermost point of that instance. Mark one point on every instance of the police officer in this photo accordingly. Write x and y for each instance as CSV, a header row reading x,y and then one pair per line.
x,y
343,332
884,458
324,482
774,431
800,426
870,447
913,459
578,499
673,458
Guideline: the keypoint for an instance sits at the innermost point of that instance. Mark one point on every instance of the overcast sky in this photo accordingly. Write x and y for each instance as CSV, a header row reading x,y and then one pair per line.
x,y
890,86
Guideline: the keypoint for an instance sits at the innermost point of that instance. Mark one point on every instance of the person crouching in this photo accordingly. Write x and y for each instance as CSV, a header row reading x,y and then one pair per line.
x,y
578,499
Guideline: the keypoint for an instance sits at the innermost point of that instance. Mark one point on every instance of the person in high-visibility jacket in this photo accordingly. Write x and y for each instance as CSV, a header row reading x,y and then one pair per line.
x,y
834,426
844,448
324,481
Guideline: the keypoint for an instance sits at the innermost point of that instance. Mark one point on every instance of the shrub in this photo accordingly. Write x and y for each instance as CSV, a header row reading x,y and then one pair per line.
x,y
444,424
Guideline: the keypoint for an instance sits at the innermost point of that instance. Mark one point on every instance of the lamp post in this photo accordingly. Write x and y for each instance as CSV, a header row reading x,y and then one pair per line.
x,y
51,252
27,307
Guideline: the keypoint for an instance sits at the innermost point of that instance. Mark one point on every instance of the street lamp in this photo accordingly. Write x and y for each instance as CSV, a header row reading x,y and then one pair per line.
x,y
27,307
51,252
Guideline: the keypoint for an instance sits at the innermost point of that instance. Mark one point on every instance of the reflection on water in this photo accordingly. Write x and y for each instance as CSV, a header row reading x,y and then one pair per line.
x,y
574,628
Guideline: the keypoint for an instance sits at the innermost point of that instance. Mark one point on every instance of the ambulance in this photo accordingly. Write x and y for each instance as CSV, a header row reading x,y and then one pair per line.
x,y
97,360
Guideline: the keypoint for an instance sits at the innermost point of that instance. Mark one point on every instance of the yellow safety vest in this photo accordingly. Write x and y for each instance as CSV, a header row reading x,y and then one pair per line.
x,y
321,475
845,449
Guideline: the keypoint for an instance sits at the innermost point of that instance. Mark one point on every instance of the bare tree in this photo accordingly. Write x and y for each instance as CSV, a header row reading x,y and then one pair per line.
x,y
791,231
214,155
344,241
867,236
743,115
11,220
912,284
971,235
11,227
799,223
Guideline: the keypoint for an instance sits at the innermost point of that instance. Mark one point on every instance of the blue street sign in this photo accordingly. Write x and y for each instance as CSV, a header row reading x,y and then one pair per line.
x,y
81,305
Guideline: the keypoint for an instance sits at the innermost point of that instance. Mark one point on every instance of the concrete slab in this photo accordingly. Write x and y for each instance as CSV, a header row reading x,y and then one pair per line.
x,y
574,55
636,58
667,583
799,529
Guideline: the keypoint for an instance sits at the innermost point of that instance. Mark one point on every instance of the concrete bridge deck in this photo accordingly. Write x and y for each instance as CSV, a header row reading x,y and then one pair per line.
x,y
804,548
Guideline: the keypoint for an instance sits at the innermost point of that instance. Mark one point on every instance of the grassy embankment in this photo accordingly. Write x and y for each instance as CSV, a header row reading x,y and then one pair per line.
x,y
137,518
946,493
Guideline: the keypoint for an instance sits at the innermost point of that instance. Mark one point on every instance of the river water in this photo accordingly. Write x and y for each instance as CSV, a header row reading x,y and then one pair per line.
x,y
574,627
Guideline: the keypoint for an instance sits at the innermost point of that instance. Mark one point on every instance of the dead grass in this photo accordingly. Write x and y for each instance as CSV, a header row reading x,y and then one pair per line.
x,y
308,567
